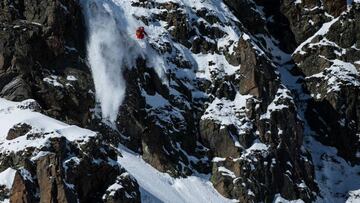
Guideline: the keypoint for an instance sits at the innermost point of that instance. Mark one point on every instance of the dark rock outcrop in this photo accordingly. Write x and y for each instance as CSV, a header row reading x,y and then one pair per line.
x,y
62,172
22,190
125,189
18,130
331,78
305,18
41,45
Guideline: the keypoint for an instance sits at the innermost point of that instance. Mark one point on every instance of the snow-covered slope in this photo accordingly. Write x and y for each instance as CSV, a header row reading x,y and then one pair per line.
x,y
42,127
160,187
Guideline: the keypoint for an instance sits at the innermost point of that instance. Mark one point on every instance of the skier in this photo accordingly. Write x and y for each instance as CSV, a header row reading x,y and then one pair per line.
x,y
140,33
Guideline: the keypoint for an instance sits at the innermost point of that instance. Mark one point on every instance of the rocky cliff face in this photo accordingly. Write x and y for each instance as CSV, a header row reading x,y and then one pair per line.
x,y
260,96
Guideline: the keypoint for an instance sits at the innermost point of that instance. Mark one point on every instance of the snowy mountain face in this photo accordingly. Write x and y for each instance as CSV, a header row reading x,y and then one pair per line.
x,y
222,101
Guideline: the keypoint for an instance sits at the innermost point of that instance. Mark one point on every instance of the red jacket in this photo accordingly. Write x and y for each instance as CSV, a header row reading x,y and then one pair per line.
x,y
140,33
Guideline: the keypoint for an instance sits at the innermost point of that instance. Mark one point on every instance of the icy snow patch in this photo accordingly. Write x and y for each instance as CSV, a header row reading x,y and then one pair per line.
x,y
256,147
354,196
213,63
349,2
7,177
71,78
338,74
334,175
226,172
53,80
113,188
156,101
277,104
341,72
322,31
218,159
279,199
226,112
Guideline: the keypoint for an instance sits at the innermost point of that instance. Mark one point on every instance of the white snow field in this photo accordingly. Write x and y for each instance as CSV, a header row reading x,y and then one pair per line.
x,y
160,187
7,177
12,113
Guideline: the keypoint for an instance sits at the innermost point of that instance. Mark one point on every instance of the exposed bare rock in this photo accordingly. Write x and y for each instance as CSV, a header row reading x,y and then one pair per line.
x,y
18,130
16,90
22,190
41,46
305,18
51,184
336,7
125,189
257,75
332,78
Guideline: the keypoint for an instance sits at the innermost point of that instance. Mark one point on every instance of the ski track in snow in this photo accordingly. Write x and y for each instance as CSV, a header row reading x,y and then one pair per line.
x,y
160,187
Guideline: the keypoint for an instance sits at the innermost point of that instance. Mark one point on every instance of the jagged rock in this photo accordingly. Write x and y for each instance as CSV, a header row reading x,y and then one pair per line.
x,y
22,190
16,90
218,138
257,76
249,17
18,130
257,173
349,30
36,39
201,45
335,7
277,24
335,92
4,193
51,183
257,153
147,133
61,173
305,18
126,189
178,21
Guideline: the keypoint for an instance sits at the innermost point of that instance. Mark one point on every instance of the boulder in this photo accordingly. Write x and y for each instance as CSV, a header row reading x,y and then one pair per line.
x,y
18,130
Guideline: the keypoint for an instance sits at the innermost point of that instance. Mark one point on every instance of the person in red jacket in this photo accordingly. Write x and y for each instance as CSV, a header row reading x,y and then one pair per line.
x,y
140,33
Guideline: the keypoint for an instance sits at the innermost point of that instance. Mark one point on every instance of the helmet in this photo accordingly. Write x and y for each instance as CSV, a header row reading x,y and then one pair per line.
x,y
141,28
